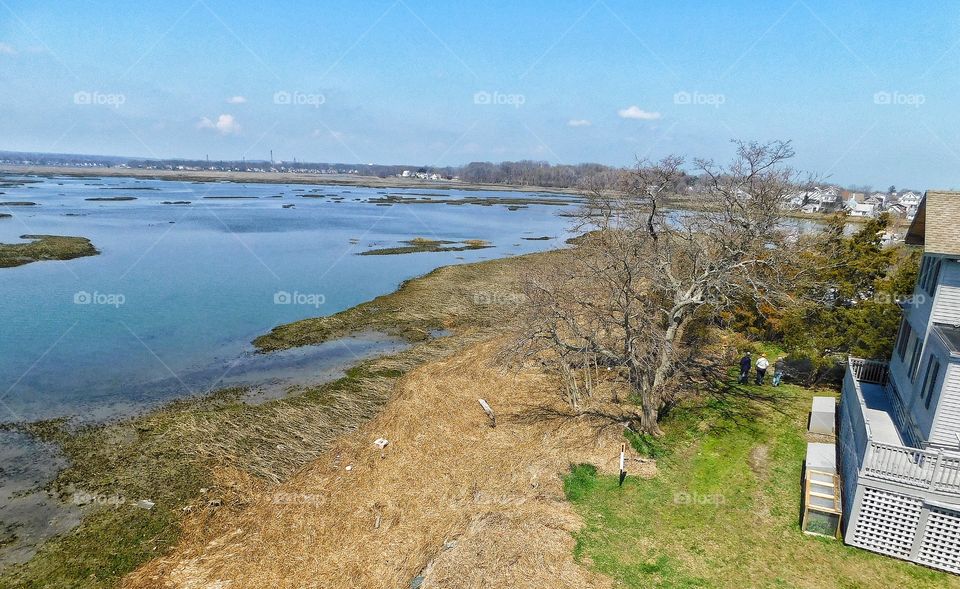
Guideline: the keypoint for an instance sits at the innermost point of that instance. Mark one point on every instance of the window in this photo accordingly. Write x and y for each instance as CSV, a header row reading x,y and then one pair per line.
x,y
915,359
930,382
929,274
903,339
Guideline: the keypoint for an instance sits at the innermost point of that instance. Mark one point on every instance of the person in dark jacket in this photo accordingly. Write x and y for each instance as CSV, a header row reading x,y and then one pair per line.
x,y
745,363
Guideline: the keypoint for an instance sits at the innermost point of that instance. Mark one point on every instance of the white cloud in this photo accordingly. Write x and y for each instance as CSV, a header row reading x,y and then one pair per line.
x,y
578,123
237,100
635,112
225,125
7,49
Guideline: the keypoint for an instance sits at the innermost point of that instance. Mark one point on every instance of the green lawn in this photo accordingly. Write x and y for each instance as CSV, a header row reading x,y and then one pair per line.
x,y
724,509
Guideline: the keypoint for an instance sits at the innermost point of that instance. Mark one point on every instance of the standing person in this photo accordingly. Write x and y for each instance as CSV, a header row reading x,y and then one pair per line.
x,y
762,365
745,363
778,369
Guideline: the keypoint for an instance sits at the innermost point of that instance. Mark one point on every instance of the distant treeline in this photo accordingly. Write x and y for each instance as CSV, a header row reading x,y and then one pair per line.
x,y
525,172
529,172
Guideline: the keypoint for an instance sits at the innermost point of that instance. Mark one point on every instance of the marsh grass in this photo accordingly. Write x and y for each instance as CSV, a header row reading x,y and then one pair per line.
x,y
171,456
480,295
422,244
44,247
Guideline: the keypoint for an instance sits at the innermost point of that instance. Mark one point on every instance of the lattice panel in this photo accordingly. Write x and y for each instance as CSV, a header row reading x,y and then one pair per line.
x,y
887,522
940,547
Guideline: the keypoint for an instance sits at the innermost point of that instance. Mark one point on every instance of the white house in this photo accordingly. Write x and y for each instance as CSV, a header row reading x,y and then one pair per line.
x,y
900,419
858,208
816,200
909,199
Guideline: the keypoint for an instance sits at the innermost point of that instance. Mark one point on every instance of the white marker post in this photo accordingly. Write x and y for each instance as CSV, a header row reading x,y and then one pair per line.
x,y
623,470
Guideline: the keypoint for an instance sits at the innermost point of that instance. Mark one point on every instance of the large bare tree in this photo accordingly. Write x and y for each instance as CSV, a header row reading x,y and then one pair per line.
x,y
662,253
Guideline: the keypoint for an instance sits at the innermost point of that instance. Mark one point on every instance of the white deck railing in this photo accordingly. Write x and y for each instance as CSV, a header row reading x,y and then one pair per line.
x,y
912,467
871,371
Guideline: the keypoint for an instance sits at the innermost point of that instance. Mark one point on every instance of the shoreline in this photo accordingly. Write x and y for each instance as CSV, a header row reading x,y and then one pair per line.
x,y
345,180
341,180
170,456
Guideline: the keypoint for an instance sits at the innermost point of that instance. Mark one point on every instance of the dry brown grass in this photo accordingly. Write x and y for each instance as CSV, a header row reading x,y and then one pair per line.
x,y
450,497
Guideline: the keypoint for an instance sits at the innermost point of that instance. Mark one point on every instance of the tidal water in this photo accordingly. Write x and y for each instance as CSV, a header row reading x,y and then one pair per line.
x,y
169,307
171,304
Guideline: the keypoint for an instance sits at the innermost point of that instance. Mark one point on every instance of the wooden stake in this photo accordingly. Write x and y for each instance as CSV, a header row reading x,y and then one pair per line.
x,y
489,411
623,469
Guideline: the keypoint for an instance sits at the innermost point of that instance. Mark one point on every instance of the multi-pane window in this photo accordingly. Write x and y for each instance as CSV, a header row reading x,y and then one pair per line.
x,y
930,381
929,274
915,358
904,339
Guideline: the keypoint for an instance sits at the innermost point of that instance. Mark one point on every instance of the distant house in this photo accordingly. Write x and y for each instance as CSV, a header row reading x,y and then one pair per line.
x,y
882,197
817,200
859,208
897,209
909,199
900,420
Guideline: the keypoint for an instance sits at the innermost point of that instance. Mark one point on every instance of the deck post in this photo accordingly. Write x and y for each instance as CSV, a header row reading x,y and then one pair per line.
x,y
921,532
936,469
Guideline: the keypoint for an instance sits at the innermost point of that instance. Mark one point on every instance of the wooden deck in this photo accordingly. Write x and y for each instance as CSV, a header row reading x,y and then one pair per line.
x,y
885,456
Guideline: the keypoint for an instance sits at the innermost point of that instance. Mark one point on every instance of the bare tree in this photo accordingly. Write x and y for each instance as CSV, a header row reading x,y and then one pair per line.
x,y
648,276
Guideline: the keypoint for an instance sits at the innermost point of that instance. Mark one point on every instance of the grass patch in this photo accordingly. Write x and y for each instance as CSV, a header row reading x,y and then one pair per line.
x,y
724,509
421,245
478,295
44,247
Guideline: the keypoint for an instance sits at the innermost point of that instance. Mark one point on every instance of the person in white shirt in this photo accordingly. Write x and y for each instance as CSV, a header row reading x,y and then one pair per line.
x,y
762,365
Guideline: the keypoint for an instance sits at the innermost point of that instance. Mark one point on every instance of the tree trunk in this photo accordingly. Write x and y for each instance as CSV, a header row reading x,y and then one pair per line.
x,y
649,402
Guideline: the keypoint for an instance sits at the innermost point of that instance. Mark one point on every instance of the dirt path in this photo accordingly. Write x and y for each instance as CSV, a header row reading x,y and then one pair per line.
x,y
450,498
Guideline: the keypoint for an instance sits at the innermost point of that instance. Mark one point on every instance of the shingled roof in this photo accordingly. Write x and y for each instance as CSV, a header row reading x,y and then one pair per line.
x,y
937,224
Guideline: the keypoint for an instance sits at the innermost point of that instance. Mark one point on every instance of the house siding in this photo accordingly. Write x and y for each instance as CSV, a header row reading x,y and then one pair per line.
x,y
946,305
947,423
923,416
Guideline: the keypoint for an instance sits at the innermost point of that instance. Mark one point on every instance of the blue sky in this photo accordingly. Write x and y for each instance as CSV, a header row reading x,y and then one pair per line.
x,y
866,90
